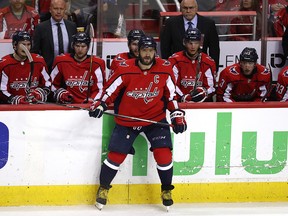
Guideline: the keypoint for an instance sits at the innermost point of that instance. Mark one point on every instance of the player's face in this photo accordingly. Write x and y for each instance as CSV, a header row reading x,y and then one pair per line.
x,y
147,55
192,47
20,52
81,50
133,47
247,67
17,4
189,8
58,9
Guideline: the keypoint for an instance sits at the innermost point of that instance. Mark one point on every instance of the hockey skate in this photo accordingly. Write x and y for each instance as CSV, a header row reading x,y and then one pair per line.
x,y
166,196
101,197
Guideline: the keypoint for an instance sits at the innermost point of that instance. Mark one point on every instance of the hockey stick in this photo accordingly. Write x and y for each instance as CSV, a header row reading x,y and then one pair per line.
x,y
197,77
91,31
111,114
29,56
269,90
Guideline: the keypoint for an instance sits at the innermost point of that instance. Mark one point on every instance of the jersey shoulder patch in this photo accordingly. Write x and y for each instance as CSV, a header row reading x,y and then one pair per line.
x,y
285,74
166,63
123,64
233,70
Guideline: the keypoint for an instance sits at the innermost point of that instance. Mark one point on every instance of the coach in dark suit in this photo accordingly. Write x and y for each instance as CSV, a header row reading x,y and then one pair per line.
x,y
172,34
46,40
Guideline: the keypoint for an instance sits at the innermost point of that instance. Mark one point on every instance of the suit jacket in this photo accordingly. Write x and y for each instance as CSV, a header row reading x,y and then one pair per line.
x,y
43,40
172,35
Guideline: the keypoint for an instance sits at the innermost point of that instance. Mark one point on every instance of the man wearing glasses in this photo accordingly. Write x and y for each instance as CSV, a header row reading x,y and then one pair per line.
x,y
172,34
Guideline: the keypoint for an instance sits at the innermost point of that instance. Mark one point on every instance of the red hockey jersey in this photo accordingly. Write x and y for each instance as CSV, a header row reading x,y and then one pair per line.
x,y
234,86
120,57
185,73
142,94
73,76
14,76
9,23
282,85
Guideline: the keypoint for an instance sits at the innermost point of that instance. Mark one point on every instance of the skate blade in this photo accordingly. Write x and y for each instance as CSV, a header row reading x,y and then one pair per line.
x,y
167,208
99,206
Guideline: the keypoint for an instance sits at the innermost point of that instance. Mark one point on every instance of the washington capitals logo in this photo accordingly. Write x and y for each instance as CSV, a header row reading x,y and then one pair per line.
x,y
147,94
21,83
80,81
189,82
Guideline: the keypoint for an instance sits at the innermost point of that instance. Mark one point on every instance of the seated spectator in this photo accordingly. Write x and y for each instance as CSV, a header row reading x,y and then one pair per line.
x,y
225,5
194,70
282,85
17,16
18,84
236,29
42,7
244,81
76,78
281,22
274,6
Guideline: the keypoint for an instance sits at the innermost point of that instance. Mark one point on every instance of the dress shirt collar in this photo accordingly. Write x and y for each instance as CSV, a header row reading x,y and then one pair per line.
x,y
53,22
194,21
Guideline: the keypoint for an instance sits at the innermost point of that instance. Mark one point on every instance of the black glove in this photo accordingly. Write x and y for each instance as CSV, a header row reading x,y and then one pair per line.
x,y
199,94
178,120
97,109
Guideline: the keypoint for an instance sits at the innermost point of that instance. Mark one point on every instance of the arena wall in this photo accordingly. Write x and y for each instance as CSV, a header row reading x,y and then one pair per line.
x,y
51,155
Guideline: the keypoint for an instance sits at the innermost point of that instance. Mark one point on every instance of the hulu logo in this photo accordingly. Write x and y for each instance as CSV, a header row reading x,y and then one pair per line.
x,y
222,152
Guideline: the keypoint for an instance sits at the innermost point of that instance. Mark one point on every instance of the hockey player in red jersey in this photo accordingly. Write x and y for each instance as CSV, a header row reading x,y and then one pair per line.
x,y
282,85
15,70
17,17
194,70
244,81
76,78
133,39
146,87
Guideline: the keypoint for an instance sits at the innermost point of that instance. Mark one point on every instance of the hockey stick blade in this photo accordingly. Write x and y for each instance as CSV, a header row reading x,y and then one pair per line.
x,y
27,52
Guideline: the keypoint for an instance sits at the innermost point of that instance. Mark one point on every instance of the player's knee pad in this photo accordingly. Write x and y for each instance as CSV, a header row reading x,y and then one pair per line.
x,y
116,157
163,156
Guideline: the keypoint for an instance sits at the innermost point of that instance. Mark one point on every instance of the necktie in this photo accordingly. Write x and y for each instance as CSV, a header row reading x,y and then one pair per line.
x,y
190,26
60,38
